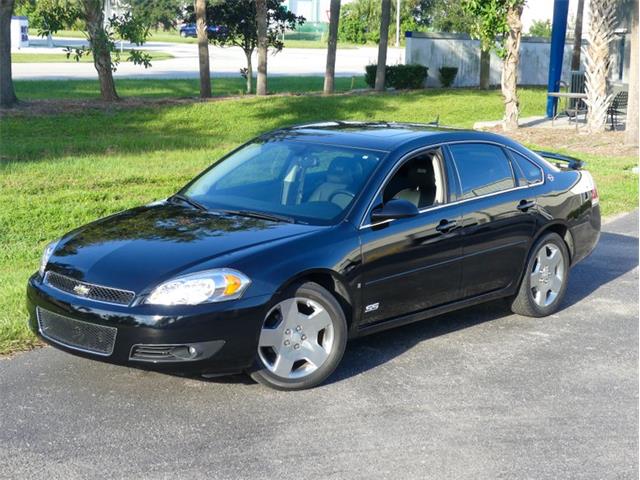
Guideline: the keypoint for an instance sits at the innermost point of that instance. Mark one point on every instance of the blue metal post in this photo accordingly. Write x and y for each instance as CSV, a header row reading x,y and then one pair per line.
x,y
558,33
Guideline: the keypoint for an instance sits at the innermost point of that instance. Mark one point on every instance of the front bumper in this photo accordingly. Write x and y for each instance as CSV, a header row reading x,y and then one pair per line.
x,y
224,335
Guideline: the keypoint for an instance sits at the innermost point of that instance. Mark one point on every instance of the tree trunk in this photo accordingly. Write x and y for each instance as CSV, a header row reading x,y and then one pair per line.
x,y
330,71
382,46
7,92
485,69
203,48
248,54
510,68
263,44
94,17
596,57
631,133
577,37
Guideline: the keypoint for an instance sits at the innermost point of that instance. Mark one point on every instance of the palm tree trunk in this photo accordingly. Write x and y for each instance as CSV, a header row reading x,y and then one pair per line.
x,y
261,21
577,37
385,17
93,11
330,71
631,133
203,48
485,69
510,67
7,92
597,63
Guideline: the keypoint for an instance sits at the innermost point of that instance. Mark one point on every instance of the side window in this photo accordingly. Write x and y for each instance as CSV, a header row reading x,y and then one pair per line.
x,y
483,168
419,180
528,172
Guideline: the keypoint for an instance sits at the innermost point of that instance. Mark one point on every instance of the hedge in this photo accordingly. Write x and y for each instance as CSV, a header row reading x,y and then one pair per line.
x,y
400,77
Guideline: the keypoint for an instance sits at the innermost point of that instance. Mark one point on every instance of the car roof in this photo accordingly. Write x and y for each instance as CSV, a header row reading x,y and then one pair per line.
x,y
384,136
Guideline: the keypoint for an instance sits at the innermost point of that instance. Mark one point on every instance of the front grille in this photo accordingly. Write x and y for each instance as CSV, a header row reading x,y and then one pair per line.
x,y
89,290
76,334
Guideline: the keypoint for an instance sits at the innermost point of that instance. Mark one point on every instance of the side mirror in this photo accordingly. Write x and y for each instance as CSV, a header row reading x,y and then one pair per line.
x,y
394,209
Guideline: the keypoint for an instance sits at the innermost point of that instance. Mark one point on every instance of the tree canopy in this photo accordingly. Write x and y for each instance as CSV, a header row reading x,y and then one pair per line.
x,y
490,24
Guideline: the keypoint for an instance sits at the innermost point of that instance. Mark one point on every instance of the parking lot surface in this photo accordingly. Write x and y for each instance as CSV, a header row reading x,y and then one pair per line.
x,y
478,394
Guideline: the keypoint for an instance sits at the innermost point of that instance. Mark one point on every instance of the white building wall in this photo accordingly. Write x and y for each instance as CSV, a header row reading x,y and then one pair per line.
x,y
435,50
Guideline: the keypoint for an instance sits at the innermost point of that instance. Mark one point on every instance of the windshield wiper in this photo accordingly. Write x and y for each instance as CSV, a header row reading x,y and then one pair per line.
x,y
188,200
265,216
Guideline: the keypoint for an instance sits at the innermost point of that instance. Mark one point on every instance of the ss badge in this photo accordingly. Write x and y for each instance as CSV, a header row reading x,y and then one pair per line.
x,y
371,308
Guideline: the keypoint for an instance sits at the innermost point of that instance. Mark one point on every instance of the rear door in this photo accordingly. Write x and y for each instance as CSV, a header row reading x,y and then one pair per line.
x,y
497,217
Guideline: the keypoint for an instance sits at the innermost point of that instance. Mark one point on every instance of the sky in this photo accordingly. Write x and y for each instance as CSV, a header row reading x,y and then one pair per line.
x,y
543,10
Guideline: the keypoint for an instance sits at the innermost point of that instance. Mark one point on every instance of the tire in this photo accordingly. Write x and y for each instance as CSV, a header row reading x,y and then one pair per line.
x,y
183,34
307,321
541,293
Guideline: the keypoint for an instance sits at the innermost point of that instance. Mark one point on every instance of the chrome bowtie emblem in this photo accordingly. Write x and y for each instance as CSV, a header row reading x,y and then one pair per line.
x,y
81,290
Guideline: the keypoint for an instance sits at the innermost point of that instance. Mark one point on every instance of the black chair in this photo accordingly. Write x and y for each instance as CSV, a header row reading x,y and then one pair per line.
x,y
618,107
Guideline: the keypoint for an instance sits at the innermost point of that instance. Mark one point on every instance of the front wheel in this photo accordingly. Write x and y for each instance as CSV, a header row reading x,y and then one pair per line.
x,y
545,279
302,339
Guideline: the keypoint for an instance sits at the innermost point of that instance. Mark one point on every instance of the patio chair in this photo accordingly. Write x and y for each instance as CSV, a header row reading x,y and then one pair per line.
x,y
576,106
618,107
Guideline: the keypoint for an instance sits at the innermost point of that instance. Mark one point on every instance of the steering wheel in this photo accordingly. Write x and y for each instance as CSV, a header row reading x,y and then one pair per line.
x,y
350,196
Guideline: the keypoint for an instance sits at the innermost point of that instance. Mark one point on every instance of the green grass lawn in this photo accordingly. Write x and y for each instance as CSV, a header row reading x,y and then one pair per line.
x,y
62,57
58,172
149,88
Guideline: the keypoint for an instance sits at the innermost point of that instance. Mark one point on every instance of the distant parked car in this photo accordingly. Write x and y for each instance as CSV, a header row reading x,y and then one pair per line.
x,y
189,30
272,258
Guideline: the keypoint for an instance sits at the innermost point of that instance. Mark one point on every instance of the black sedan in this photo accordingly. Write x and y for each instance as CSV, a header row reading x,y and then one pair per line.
x,y
270,260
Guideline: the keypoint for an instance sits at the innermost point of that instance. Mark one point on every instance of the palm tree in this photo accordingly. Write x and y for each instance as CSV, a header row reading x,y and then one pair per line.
x,y
7,92
631,134
577,37
330,71
203,48
510,66
385,17
263,43
597,63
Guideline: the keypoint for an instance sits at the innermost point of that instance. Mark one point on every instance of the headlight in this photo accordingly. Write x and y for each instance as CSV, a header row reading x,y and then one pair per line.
x,y
46,255
202,287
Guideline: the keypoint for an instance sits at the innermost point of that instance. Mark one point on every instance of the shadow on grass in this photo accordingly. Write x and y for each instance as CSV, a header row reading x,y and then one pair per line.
x,y
202,125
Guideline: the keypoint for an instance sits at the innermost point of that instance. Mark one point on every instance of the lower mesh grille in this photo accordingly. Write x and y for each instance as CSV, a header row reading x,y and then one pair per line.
x,y
89,290
76,334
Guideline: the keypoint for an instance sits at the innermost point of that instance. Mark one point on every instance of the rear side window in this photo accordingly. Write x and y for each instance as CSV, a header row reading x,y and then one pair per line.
x,y
483,169
528,172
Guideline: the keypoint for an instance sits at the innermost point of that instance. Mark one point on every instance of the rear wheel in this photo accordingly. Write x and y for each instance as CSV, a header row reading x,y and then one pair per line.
x,y
545,279
302,340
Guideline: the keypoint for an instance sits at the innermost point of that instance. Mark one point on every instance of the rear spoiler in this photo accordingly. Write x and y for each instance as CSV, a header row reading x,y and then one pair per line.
x,y
572,163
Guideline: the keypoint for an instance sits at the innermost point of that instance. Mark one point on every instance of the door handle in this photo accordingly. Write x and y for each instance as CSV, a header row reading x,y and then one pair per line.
x,y
446,225
525,205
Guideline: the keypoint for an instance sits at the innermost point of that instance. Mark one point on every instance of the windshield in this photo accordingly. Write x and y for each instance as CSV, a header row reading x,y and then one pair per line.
x,y
308,183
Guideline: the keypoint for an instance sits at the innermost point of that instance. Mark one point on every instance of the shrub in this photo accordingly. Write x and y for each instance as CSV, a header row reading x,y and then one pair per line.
x,y
401,77
447,76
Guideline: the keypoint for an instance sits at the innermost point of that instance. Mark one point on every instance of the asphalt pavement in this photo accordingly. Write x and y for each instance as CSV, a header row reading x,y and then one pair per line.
x,y
477,394
225,62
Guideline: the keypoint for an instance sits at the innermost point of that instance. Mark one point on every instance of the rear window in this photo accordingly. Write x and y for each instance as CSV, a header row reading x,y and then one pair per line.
x,y
483,169
528,172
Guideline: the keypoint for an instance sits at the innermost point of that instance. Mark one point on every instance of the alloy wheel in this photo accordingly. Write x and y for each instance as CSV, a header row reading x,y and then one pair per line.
x,y
547,275
296,339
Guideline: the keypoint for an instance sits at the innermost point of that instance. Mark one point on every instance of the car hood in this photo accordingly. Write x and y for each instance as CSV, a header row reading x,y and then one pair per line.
x,y
138,248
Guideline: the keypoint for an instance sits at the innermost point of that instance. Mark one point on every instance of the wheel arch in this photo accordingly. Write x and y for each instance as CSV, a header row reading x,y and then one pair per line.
x,y
333,282
563,231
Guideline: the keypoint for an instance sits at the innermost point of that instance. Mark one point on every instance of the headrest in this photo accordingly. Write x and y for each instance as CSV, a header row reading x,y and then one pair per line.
x,y
421,174
342,170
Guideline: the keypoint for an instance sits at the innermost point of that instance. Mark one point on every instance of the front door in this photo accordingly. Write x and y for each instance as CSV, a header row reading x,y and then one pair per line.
x,y
413,264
